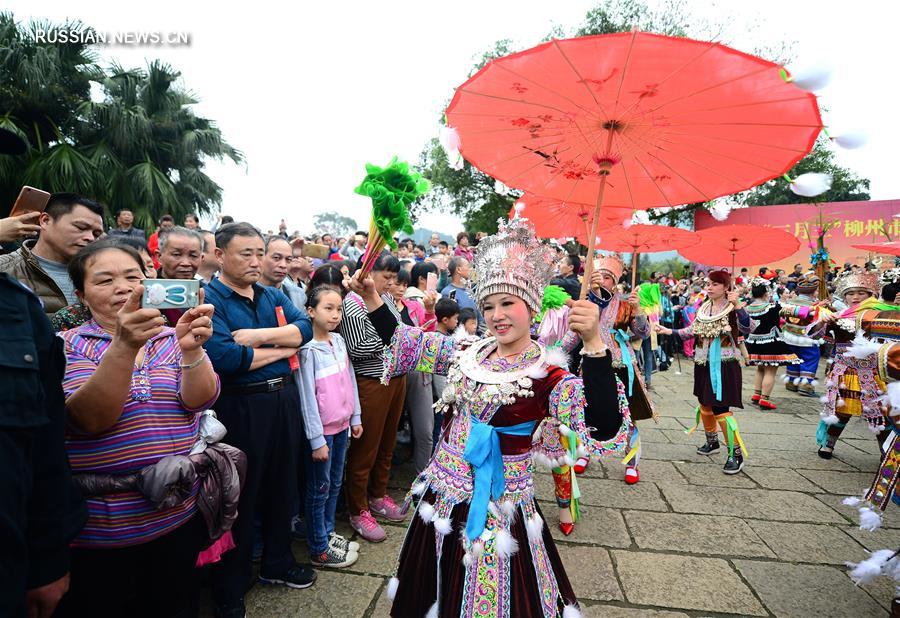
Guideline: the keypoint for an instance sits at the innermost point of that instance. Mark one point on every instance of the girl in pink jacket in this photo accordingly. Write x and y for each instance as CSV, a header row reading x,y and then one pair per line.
x,y
330,407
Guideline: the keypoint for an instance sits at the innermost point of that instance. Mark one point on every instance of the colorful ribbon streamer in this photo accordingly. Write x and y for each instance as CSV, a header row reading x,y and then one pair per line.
x,y
622,340
570,443
715,367
734,434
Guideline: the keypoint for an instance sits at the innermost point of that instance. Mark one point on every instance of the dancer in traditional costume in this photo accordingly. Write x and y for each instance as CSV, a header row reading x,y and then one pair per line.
x,y
619,314
882,344
853,387
718,332
478,545
798,313
766,349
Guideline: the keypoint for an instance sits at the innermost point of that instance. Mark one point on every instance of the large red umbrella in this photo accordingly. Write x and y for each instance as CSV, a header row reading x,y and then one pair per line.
x,y
554,219
890,248
741,245
635,119
638,239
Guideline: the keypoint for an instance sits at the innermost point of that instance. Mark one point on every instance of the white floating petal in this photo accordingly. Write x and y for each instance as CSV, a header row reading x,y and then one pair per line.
x,y
811,184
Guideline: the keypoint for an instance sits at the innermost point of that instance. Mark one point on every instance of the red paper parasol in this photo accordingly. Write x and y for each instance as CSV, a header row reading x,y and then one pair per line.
x,y
554,219
889,248
638,239
741,245
649,120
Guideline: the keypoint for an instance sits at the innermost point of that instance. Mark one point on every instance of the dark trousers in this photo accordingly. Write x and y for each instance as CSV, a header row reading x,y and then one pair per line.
x,y
153,579
266,426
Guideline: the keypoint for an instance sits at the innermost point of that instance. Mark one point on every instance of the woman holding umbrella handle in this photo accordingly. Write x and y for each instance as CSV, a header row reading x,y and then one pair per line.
x,y
718,332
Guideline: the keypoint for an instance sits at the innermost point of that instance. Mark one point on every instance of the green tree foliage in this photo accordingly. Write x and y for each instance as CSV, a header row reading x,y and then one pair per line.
x,y
845,186
136,143
334,224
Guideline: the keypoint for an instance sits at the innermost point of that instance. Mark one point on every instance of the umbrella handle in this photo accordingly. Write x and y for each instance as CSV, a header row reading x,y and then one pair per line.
x,y
634,261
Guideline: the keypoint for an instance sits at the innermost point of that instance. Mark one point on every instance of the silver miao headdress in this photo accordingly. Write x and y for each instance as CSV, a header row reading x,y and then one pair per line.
x,y
513,261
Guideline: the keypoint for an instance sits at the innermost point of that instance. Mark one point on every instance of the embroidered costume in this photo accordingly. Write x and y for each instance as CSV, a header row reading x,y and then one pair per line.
x,y
853,386
478,545
718,335
799,313
765,345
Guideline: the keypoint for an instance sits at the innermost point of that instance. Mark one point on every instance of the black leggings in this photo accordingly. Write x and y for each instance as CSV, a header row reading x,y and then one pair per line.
x,y
154,579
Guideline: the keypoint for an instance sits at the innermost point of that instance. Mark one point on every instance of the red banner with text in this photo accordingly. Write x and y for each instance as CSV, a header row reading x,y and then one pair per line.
x,y
856,223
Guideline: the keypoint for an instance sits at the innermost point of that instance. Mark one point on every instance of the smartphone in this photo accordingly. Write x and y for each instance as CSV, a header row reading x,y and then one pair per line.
x,y
431,282
29,200
171,293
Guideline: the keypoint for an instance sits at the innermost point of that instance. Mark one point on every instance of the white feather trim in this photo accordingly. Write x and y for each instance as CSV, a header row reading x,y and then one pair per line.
x,y
537,372
840,402
797,381
582,452
493,510
786,378
823,399
811,77
564,430
869,520
433,612
557,356
568,461
851,501
541,459
505,544
811,184
571,611
419,488
850,139
477,549
892,396
426,511
535,527
814,382
866,571
393,584
831,419
720,210
449,139
443,526
467,560
862,348
509,508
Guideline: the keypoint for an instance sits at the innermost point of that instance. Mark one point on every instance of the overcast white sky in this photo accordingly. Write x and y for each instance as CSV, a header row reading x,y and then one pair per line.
x,y
312,91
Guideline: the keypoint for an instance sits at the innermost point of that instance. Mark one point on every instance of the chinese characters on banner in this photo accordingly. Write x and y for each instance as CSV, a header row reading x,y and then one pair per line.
x,y
855,223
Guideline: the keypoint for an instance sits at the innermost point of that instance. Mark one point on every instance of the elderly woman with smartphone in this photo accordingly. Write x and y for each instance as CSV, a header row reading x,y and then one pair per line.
x,y
133,390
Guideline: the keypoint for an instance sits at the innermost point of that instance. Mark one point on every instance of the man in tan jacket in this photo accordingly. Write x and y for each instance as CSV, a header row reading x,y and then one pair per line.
x,y
69,223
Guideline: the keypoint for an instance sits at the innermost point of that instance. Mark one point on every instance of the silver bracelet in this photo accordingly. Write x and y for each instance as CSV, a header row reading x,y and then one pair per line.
x,y
196,363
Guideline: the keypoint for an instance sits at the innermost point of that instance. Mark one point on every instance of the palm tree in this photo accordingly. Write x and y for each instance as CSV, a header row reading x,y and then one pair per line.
x,y
136,144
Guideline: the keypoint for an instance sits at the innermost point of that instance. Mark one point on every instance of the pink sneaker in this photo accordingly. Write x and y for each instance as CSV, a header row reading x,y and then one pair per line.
x,y
387,508
367,527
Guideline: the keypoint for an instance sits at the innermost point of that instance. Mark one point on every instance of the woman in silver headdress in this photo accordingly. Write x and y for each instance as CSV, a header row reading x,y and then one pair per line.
x,y
478,545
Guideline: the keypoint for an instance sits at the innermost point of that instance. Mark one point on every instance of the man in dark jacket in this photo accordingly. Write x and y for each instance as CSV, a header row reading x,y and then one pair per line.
x,y
40,512
568,275
68,223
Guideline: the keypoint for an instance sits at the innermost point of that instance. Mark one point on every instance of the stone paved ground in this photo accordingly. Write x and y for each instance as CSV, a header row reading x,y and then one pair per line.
x,y
687,540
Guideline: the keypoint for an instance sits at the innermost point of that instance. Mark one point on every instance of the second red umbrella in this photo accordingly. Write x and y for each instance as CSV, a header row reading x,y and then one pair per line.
x,y
741,245
638,239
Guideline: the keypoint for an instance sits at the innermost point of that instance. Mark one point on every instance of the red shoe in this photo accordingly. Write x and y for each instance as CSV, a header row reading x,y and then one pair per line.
x,y
765,404
755,398
566,527
581,465
632,476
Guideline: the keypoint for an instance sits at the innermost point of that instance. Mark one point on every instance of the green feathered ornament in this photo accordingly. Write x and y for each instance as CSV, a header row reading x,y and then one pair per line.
x,y
392,189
